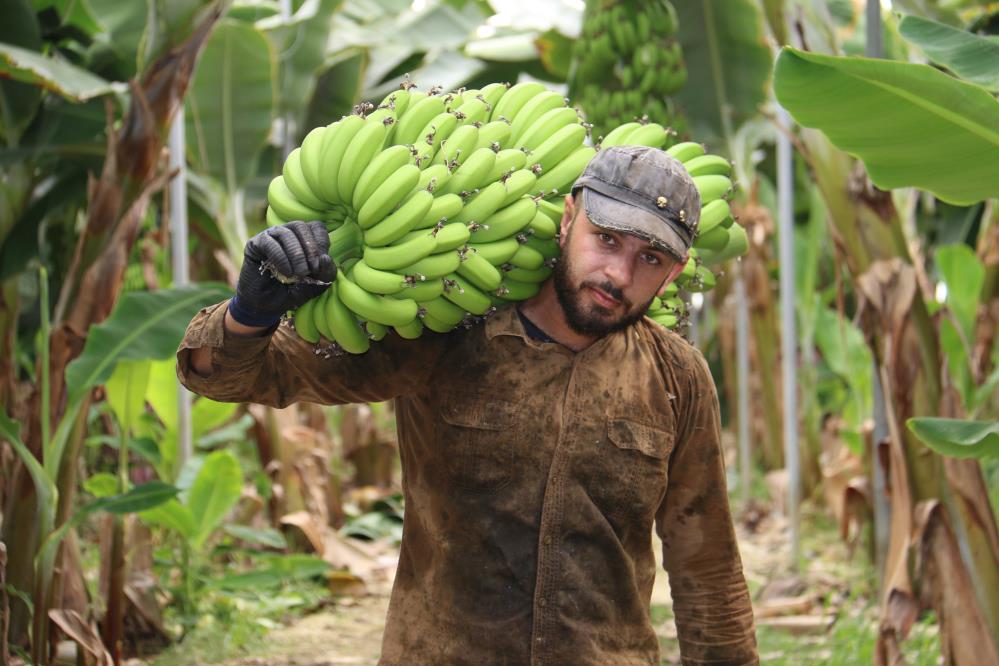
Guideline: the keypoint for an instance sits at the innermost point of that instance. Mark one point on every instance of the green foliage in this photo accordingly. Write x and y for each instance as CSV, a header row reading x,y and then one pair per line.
x,y
912,125
728,66
231,103
972,57
958,438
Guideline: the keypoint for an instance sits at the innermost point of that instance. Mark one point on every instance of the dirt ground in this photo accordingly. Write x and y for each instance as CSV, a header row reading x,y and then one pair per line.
x,y
349,632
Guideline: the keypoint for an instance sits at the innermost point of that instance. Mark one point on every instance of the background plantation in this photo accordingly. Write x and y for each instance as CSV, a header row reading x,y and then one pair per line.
x,y
133,526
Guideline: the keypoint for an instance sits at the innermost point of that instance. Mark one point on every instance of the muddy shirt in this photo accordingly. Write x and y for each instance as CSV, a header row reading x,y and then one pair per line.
x,y
534,478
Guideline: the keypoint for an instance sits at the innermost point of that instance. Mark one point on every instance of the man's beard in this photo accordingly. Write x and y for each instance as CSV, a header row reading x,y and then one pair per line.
x,y
593,321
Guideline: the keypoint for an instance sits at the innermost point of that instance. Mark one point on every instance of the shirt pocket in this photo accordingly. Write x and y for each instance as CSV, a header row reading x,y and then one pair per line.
x,y
476,436
640,459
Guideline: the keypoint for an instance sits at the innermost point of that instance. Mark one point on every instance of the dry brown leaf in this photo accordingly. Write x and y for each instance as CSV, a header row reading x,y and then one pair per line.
x,y
82,633
304,521
964,634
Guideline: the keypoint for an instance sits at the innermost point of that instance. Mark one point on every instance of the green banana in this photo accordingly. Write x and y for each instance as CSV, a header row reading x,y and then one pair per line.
x,y
542,226
531,111
517,184
304,324
506,221
472,173
347,331
465,295
374,330
708,165
652,135
457,147
360,151
286,206
493,135
410,331
384,164
474,110
422,290
403,253
685,151
479,272
451,236
553,209
401,221
310,160
711,187
482,204
335,141
273,219
547,248
515,98
498,252
507,161
515,274
713,240
444,311
294,178
380,309
319,315
346,242
435,325
433,178
561,177
388,195
511,290
433,267
436,130
547,124
712,215
443,208
411,123
619,135
557,146
377,281
527,257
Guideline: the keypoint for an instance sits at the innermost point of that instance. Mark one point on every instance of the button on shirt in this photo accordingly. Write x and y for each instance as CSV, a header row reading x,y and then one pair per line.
x,y
534,480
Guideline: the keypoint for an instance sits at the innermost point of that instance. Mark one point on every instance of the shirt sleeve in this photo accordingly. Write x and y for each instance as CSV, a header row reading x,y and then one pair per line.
x,y
279,368
714,615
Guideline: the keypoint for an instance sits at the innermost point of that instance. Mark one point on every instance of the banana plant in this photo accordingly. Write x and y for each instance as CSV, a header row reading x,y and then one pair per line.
x,y
901,120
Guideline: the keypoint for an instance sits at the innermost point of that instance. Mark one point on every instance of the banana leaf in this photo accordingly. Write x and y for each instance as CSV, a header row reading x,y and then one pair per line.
x,y
301,43
958,438
231,103
215,490
123,23
53,73
970,56
912,125
20,100
728,67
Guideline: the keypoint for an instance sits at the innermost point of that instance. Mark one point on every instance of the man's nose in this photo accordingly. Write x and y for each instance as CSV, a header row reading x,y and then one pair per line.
x,y
619,271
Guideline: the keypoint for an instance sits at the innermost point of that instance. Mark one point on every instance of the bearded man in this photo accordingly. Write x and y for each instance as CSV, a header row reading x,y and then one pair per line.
x,y
541,449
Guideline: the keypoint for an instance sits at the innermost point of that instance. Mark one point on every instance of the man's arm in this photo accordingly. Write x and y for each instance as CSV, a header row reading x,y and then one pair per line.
x,y
201,357
275,367
714,615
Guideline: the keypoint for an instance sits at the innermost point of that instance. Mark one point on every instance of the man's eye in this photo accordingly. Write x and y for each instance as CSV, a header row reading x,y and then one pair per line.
x,y
652,260
606,238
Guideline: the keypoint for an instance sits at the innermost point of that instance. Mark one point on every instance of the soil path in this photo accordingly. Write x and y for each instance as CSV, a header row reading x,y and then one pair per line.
x,y
350,631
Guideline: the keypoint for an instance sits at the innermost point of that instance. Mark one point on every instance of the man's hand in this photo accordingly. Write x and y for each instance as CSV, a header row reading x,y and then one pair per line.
x,y
283,267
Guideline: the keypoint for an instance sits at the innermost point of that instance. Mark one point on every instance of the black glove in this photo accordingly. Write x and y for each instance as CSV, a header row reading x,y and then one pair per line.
x,y
295,251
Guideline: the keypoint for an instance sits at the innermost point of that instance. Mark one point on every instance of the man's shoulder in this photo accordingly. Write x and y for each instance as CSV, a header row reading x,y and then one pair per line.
x,y
673,345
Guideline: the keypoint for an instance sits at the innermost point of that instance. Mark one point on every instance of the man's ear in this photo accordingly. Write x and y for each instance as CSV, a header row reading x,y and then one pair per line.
x,y
673,272
568,215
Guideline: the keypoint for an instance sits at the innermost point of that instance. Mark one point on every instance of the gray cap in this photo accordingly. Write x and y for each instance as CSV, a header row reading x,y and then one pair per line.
x,y
642,191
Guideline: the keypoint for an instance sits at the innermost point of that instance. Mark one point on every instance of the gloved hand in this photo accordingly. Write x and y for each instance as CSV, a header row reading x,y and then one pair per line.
x,y
297,252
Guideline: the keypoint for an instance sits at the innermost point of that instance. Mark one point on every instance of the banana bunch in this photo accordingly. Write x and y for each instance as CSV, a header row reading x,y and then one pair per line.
x,y
626,63
443,206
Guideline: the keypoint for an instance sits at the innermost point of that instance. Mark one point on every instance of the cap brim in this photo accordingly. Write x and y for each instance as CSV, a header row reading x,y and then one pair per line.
x,y
609,213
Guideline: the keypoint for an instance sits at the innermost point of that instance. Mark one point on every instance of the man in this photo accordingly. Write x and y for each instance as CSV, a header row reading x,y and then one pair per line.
x,y
539,449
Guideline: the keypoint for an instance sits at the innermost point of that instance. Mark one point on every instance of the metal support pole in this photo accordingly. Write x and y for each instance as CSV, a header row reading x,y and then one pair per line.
x,y
179,256
882,512
742,379
788,338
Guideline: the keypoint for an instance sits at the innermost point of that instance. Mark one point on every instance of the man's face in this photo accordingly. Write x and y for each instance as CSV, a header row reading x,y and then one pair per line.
x,y
605,279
